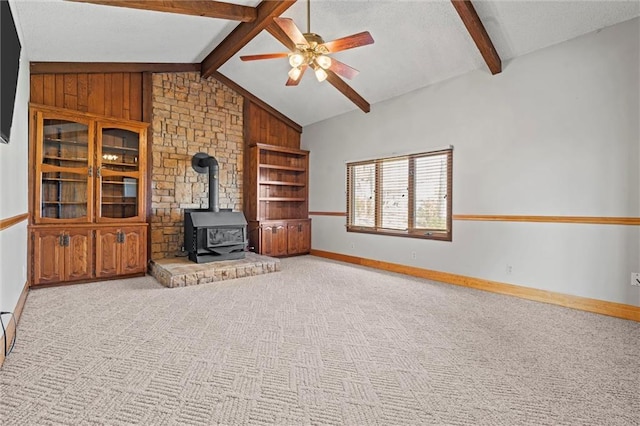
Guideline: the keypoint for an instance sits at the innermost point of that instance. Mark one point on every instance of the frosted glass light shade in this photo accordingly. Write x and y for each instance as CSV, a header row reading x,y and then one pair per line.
x,y
294,73
296,59
324,61
321,74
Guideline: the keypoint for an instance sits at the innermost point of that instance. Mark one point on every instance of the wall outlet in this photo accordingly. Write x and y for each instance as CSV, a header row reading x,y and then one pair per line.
x,y
353,245
413,254
635,279
509,269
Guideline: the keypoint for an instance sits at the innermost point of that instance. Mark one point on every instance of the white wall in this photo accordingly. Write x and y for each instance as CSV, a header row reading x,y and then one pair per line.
x,y
13,194
557,133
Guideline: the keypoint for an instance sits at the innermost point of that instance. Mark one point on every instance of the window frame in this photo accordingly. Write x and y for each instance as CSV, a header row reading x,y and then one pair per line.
x,y
412,231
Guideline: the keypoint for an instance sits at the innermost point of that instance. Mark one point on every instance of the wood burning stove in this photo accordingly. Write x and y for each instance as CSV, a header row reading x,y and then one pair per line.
x,y
213,234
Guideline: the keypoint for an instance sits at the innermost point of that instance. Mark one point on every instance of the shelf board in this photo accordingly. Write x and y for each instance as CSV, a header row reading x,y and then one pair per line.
x,y
275,167
108,203
119,198
282,199
113,182
65,202
280,183
63,180
65,142
76,160
109,163
120,148
275,148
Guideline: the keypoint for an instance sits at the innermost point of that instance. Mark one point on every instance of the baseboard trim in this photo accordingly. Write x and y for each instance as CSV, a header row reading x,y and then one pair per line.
x,y
613,309
11,325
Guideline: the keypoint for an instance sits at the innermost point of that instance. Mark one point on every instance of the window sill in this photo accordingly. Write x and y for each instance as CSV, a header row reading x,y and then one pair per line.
x,y
425,235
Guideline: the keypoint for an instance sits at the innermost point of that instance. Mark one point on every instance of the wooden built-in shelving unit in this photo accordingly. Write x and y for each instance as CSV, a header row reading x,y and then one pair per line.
x,y
276,200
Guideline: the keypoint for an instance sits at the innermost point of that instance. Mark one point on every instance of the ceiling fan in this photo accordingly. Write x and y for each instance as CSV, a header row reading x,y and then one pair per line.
x,y
309,50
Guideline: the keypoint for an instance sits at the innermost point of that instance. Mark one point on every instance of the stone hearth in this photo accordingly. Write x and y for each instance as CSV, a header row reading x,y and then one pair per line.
x,y
181,272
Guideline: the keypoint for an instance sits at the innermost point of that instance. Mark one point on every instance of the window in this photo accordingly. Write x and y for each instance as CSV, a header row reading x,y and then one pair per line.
x,y
406,196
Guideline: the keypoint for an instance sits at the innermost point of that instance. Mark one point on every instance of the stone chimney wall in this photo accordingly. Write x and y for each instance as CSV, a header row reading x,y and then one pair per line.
x,y
191,115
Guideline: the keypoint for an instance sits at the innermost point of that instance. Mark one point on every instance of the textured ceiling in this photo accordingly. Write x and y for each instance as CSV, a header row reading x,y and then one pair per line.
x,y
417,43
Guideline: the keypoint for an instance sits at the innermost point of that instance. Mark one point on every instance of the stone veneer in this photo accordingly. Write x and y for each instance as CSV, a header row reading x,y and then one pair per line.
x,y
181,272
191,115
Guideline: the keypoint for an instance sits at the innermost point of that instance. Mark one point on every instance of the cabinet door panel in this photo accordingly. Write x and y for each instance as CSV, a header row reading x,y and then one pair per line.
x,y
299,237
304,237
267,240
79,255
273,240
133,250
281,240
48,259
121,161
107,252
64,157
292,239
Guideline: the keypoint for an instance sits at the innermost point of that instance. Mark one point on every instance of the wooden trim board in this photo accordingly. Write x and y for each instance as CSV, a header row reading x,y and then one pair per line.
x,y
10,221
11,326
341,214
593,220
597,220
108,67
613,309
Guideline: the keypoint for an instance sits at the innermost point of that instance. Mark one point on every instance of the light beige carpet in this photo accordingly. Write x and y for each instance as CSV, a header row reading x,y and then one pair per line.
x,y
318,343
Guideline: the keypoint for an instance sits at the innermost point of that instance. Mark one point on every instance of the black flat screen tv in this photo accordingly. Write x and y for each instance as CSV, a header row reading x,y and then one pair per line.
x,y
10,55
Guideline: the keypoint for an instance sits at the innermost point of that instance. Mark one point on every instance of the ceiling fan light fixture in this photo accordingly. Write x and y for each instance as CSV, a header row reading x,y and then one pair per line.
x,y
296,59
323,61
321,74
294,73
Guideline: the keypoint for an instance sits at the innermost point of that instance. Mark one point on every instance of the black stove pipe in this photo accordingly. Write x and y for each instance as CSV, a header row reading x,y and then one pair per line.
x,y
209,162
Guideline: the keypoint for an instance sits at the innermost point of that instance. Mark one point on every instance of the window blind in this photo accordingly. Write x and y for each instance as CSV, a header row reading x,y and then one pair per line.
x,y
408,195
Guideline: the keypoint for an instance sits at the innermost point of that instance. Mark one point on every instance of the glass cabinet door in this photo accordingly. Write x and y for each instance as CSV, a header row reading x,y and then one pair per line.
x,y
120,181
64,151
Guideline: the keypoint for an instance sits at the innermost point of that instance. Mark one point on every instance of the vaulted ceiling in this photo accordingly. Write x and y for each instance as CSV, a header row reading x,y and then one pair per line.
x,y
417,43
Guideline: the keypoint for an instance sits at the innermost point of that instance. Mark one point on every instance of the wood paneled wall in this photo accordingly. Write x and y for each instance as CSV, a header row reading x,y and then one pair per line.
x,y
117,95
260,126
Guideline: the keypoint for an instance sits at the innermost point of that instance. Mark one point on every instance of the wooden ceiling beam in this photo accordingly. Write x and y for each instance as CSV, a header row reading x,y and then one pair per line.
x,y
105,67
479,34
243,34
207,8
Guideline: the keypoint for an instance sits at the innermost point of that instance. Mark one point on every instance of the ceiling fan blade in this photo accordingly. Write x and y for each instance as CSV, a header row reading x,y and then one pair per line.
x,y
263,56
292,82
291,30
349,42
348,91
343,69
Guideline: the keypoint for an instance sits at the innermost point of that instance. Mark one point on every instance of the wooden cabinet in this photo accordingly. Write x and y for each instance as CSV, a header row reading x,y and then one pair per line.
x,y
87,169
62,255
88,178
276,200
119,251
287,238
